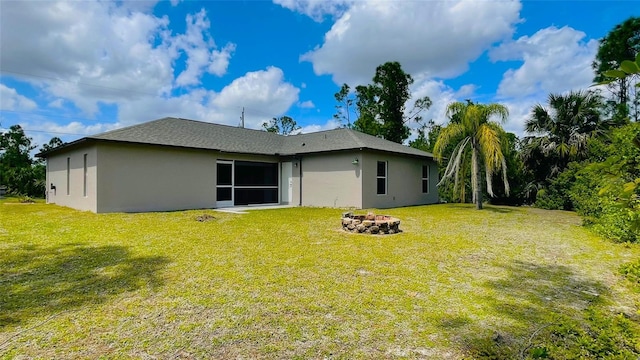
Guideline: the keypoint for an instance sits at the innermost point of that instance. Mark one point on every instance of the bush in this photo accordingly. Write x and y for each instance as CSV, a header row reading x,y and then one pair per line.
x,y
631,272
557,196
607,193
596,334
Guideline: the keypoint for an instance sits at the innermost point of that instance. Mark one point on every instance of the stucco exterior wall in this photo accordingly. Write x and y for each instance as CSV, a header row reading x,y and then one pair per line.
x,y
57,175
138,178
404,181
329,179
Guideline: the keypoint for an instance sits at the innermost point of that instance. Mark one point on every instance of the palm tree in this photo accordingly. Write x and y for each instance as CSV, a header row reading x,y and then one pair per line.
x,y
561,130
471,123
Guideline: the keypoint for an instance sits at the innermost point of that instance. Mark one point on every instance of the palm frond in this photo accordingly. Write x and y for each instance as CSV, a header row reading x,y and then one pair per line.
x,y
453,166
491,149
447,134
474,174
493,110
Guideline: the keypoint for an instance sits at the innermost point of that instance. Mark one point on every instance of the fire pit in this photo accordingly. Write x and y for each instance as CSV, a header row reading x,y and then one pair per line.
x,y
370,223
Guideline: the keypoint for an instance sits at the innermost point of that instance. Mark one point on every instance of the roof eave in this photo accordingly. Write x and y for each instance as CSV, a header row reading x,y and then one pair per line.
x,y
44,154
426,155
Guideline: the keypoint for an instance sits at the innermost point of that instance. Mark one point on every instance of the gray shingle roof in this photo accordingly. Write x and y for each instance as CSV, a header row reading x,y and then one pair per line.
x,y
203,135
197,134
344,139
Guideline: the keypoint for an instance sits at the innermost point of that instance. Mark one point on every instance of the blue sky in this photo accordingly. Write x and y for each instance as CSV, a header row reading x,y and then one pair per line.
x,y
77,68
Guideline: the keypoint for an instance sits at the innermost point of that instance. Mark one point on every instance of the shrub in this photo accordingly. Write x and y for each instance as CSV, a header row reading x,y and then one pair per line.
x,y
557,196
607,193
631,272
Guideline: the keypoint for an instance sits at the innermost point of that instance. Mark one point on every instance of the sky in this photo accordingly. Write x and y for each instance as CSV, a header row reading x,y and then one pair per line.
x,y
78,68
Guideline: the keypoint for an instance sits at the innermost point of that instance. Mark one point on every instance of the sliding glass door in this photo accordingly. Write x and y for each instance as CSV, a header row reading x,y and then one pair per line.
x,y
246,183
255,183
224,184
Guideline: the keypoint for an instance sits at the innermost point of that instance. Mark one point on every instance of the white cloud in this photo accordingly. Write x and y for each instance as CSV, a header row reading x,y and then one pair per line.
x,y
306,104
519,111
93,52
440,94
220,60
11,100
554,60
57,103
83,55
192,105
41,129
93,47
438,38
262,93
201,51
316,9
329,125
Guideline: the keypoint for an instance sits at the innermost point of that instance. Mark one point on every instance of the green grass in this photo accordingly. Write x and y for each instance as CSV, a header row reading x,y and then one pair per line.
x,y
288,283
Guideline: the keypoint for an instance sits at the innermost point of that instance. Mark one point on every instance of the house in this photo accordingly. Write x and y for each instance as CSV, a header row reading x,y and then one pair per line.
x,y
176,164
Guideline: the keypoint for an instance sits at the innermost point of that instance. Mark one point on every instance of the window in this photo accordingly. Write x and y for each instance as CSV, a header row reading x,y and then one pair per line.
x,y
425,179
84,187
68,176
382,178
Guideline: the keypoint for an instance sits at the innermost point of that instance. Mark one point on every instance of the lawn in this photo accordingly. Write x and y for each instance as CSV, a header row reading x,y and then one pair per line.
x,y
288,283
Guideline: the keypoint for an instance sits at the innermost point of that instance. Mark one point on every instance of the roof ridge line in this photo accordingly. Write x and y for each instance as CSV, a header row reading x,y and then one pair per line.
x,y
126,127
351,133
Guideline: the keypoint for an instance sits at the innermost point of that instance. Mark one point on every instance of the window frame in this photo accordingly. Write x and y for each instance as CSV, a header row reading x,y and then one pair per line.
x,y
425,179
68,176
384,177
86,175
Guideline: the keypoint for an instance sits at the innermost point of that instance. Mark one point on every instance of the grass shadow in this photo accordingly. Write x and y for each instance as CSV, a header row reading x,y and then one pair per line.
x,y
36,280
500,210
530,298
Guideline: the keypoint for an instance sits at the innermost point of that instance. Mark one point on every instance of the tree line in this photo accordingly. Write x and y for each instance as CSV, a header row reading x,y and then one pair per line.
x,y
21,174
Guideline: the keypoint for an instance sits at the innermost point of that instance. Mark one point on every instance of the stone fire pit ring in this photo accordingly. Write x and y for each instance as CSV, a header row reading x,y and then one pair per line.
x,y
370,223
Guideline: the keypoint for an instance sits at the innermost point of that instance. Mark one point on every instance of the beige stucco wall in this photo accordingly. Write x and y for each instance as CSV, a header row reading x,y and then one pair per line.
x,y
404,181
138,178
57,175
295,170
329,179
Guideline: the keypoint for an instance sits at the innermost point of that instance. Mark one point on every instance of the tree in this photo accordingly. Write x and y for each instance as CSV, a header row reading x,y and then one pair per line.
x,y
367,106
621,43
343,109
561,131
516,174
53,143
392,88
381,105
283,125
15,162
472,122
427,136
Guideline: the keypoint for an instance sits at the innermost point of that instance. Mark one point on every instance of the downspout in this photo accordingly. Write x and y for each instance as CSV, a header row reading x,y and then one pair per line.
x,y
300,166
